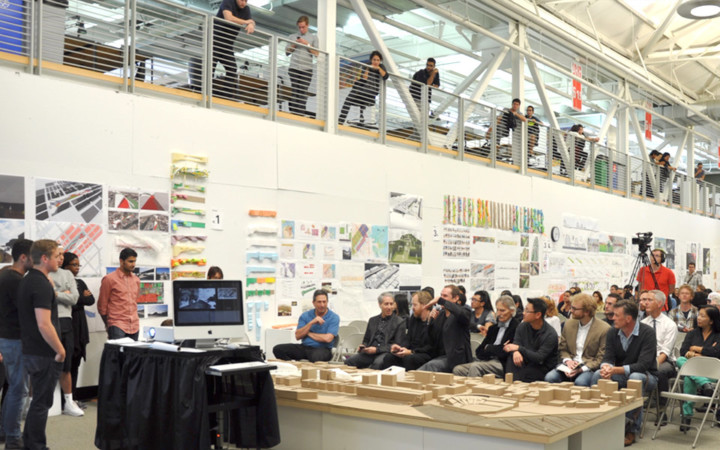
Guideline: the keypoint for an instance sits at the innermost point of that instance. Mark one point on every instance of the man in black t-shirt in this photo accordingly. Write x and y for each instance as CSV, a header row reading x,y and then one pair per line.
x,y
10,345
430,76
43,352
238,13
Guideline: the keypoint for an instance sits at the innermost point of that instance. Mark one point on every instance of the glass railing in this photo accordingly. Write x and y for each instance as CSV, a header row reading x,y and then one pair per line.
x,y
162,48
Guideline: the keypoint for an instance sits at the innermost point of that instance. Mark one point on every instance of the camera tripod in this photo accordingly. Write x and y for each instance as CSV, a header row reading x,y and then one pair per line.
x,y
643,261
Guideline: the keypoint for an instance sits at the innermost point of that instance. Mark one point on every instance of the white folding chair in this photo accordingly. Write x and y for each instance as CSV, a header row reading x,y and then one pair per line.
x,y
350,345
359,324
343,332
700,366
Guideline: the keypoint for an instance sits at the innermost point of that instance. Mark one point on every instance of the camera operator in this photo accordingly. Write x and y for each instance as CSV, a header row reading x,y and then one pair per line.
x,y
664,276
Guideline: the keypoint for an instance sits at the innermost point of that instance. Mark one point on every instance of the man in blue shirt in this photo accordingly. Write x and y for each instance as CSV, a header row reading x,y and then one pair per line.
x,y
316,329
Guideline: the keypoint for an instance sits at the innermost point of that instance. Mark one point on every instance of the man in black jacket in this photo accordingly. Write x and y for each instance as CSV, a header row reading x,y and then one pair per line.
x,y
454,322
490,354
629,355
382,331
535,349
416,348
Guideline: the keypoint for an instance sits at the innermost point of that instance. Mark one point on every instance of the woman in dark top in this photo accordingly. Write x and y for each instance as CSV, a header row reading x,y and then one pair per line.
x,y
483,315
71,262
703,340
518,305
366,88
402,307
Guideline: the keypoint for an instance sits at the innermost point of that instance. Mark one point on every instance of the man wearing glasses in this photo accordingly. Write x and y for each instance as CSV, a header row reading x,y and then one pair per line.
x,y
582,344
535,350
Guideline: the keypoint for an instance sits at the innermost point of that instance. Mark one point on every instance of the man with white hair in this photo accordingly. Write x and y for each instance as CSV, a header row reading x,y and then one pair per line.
x,y
381,333
714,298
665,332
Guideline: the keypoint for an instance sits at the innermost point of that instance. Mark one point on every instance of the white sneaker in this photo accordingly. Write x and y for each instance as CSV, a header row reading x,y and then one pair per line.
x,y
71,409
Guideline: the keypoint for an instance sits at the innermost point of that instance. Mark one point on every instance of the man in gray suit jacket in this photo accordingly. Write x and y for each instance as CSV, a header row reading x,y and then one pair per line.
x,y
582,344
381,333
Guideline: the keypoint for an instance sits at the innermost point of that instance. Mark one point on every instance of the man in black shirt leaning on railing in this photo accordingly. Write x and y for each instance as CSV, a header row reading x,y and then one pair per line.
x,y
224,34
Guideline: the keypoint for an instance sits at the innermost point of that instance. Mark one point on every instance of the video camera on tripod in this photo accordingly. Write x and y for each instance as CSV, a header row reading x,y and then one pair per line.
x,y
643,241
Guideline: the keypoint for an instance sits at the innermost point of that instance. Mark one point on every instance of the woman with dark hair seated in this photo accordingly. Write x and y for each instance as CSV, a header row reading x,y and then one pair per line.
x,y
366,88
703,340
483,315
215,273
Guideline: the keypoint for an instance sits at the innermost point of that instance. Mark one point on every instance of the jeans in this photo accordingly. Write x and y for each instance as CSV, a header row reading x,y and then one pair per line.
x,y
363,360
296,352
116,333
582,379
44,374
439,364
648,382
11,350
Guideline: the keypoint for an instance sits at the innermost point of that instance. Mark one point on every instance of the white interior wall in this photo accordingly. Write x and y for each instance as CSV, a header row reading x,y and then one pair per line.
x,y
57,128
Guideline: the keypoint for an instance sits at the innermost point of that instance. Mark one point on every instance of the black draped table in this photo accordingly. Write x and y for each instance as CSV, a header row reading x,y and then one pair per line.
x,y
153,399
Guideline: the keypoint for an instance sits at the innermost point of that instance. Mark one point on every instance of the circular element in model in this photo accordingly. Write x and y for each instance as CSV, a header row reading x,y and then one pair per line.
x,y
555,234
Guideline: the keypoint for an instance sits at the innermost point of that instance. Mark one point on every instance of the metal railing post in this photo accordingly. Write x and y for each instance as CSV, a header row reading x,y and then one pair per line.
x,y
591,168
549,156
382,113
571,160
132,44
424,113
523,148
206,63
611,173
628,177
272,82
39,16
31,38
493,138
461,129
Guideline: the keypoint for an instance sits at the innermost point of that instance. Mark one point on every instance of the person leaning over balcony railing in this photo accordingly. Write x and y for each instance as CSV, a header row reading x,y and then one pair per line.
x,y
366,88
301,66
224,34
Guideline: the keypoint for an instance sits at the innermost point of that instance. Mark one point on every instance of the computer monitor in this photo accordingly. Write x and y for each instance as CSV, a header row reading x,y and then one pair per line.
x,y
207,310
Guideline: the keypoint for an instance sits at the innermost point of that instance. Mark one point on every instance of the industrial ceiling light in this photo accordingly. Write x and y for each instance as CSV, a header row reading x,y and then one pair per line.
x,y
699,9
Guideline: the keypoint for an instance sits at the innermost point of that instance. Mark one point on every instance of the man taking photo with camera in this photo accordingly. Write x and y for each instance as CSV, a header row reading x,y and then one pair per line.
x,y
664,276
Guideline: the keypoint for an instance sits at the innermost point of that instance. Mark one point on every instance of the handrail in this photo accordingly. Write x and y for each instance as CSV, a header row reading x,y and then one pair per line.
x,y
170,49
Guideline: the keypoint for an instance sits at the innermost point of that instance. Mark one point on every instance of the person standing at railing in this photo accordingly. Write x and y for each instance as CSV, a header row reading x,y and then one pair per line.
x,y
533,128
507,121
430,76
238,13
366,88
699,172
301,66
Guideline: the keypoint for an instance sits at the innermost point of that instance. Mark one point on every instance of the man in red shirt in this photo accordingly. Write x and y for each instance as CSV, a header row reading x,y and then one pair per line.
x,y
664,276
117,303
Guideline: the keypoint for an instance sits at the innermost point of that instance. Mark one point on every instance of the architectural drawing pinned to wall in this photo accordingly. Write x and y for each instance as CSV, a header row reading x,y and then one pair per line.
x,y
456,242
405,246
10,231
68,201
471,212
12,197
153,249
406,211
85,240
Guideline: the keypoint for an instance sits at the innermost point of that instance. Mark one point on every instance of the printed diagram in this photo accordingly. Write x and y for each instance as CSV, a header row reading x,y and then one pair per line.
x,y
12,197
369,243
85,240
405,211
405,247
120,220
382,276
68,201
123,200
154,222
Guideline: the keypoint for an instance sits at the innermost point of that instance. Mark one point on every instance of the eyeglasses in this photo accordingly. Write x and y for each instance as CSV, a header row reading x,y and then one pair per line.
x,y
576,308
74,264
529,312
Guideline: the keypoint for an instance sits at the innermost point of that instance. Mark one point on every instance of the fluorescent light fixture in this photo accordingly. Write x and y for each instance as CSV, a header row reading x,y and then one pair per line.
x,y
699,9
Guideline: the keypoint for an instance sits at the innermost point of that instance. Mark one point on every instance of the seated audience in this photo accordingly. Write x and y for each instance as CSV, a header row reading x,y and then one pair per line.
x,y
629,355
610,302
491,357
402,309
703,340
598,299
416,349
454,321
317,329
700,296
535,348
551,315
381,333
518,305
665,334
483,315
685,314
582,344
563,305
